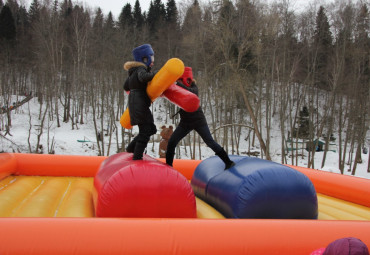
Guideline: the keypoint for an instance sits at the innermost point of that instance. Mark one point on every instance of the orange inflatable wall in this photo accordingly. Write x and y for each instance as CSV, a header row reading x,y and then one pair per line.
x,y
348,188
45,236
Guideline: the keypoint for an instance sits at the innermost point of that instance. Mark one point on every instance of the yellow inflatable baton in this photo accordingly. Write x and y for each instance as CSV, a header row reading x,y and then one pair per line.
x,y
166,76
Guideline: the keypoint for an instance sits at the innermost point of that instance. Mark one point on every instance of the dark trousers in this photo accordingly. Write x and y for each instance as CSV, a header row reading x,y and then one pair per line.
x,y
139,143
181,132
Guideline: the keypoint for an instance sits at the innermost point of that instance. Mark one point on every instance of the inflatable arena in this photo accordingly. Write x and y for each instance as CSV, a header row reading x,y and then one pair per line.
x,y
61,204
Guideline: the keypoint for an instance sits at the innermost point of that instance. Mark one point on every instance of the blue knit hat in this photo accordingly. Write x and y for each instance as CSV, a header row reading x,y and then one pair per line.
x,y
143,51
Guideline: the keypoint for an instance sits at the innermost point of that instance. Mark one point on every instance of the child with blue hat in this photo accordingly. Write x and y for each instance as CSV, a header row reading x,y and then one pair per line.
x,y
140,74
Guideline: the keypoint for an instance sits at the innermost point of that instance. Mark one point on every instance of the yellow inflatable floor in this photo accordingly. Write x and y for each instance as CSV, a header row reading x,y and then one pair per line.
x,y
42,196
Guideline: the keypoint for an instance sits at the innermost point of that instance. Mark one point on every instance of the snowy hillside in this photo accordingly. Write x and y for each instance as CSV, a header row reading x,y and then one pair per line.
x,y
82,140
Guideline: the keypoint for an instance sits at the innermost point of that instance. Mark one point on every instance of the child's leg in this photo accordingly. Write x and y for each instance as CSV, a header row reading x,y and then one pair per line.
x,y
176,137
131,146
145,131
206,135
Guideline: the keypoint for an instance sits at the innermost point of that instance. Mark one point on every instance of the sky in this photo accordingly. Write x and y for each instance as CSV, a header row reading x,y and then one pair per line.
x,y
115,6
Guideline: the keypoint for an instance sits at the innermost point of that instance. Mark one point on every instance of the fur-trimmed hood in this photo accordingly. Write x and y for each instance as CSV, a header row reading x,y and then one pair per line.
x,y
131,64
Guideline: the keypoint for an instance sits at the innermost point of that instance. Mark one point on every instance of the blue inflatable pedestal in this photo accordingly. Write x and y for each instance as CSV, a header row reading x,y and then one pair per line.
x,y
255,188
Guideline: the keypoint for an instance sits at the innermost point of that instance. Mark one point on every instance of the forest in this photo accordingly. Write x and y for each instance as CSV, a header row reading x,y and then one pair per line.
x,y
254,63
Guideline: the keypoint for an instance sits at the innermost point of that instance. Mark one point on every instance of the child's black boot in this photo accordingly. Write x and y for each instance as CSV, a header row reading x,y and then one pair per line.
x,y
139,150
225,158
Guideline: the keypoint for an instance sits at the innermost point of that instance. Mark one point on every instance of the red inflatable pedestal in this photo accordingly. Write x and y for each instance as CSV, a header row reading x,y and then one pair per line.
x,y
141,188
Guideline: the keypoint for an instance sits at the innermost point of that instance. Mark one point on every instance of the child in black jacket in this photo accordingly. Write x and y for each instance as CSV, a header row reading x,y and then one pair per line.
x,y
193,121
139,102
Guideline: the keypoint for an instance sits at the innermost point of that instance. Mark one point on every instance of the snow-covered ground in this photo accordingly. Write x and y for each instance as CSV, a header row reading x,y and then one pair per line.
x,y
68,141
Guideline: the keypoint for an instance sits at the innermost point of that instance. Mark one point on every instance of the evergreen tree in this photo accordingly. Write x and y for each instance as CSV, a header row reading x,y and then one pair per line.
x,y
55,7
192,18
66,8
7,24
109,23
304,123
190,30
98,22
323,35
363,28
227,10
97,42
125,19
109,43
109,26
138,16
170,31
171,11
156,15
22,19
23,33
67,19
323,43
14,6
34,11
151,15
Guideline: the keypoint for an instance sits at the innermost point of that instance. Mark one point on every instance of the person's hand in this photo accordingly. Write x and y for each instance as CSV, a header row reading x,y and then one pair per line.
x,y
180,84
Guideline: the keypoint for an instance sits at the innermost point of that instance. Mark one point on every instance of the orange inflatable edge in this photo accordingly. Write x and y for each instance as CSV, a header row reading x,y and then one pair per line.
x,y
349,188
172,236
68,165
8,164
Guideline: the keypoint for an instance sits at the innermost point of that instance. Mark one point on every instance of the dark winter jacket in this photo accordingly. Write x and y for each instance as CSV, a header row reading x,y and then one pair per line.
x,y
138,101
190,120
